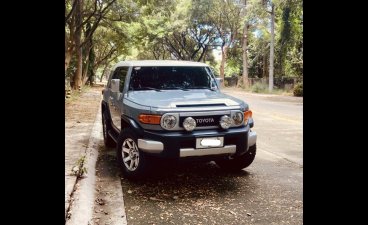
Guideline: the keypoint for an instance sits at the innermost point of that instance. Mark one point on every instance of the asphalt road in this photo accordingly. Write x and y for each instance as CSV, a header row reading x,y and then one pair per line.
x,y
278,122
270,191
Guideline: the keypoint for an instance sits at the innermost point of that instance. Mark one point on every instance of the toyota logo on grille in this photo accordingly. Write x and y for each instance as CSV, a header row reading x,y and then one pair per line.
x,y
205,120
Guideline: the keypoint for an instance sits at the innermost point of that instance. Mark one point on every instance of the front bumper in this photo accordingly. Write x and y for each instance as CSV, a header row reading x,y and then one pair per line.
x,y
181,144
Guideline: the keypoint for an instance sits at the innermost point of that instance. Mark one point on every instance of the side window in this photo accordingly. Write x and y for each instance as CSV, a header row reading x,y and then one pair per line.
x,y
120,73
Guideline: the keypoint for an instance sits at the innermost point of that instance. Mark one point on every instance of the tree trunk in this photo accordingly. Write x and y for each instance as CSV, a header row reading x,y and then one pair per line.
x,y
85,71
68,57
78,72
69,42
91,67
88,47
245,58
86,66
272,46
264,71
104,72
223,63
239,82
78,33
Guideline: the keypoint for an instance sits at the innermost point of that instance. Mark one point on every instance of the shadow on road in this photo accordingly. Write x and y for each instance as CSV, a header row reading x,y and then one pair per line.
x,y
185,180
181,192
175,179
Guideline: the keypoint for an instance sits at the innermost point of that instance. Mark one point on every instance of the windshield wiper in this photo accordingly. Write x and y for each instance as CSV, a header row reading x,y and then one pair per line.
x,y
148,88
202,87
175,88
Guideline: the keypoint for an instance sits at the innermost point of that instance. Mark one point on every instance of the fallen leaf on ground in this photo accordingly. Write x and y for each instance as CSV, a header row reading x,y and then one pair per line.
x,y
100,201
156,199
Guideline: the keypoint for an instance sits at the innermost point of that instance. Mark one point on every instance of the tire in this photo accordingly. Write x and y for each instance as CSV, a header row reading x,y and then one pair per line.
x,y
106,126
240,162
132,161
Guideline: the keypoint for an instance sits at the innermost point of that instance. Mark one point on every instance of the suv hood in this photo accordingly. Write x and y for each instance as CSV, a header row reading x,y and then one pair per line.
x,y
179,98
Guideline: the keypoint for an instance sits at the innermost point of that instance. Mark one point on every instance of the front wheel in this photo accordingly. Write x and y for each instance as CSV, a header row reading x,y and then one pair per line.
x,y
131,160
239,162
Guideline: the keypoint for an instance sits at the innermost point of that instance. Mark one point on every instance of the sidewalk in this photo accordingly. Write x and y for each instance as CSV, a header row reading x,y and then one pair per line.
x,y
80,116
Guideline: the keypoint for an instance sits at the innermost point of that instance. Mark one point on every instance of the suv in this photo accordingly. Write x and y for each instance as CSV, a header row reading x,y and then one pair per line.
x,y
174,110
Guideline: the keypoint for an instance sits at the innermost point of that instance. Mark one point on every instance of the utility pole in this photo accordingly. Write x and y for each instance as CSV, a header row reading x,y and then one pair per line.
x,y
245,47
272,46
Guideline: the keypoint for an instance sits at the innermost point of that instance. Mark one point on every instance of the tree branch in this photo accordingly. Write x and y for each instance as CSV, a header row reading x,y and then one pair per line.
x,y
71,11
203,53
89,17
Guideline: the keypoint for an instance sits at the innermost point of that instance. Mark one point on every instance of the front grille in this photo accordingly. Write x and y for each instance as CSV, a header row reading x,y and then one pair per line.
x,y
203,121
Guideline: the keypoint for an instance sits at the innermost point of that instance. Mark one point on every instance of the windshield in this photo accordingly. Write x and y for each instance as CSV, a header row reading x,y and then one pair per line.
x,y
171,77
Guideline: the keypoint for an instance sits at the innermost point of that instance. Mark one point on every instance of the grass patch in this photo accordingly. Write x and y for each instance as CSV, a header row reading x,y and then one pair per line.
x,y
262,88
79,169
298,89
259,87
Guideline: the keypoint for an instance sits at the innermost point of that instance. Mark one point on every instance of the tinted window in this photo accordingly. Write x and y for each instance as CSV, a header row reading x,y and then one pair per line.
x,y
169,77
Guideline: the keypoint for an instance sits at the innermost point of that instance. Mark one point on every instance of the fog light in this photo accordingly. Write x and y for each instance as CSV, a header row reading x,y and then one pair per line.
x,y
189,124
225,122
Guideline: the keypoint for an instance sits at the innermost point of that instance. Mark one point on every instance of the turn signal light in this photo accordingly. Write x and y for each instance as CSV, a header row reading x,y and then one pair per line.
x,y
247,115
149,119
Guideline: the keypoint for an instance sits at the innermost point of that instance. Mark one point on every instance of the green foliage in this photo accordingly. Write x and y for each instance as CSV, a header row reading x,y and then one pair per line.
x,y
234,65
190,30
259,87
289,56
298,89
79,169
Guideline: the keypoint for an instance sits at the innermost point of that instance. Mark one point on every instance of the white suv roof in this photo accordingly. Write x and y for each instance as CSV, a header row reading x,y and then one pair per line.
x,y
158,63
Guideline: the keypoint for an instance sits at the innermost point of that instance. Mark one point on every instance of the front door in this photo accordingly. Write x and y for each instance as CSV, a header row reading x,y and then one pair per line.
x,y
116,99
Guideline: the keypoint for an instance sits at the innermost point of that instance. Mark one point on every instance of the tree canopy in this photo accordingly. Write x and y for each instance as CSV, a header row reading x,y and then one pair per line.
x,y
100,32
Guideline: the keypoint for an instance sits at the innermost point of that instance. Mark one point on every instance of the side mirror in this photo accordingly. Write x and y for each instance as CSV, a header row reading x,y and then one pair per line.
x,y
218,81
115,85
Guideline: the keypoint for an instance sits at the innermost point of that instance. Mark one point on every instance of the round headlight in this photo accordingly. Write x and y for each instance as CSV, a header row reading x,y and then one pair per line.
x,y
238,118
189,124
225,122
168,122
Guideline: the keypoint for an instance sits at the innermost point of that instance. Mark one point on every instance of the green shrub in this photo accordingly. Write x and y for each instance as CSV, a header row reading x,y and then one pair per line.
x,y
298,90
259,87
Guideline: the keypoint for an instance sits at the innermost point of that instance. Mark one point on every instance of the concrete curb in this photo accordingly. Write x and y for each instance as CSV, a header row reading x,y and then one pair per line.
x,y
82,207
84,195
68,191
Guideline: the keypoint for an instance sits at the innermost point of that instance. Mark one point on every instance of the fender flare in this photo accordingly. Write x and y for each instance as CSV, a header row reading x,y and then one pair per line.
x,y
129,122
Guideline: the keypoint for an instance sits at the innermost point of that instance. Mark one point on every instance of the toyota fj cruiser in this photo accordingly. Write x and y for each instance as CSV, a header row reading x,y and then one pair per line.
x,y
174,109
